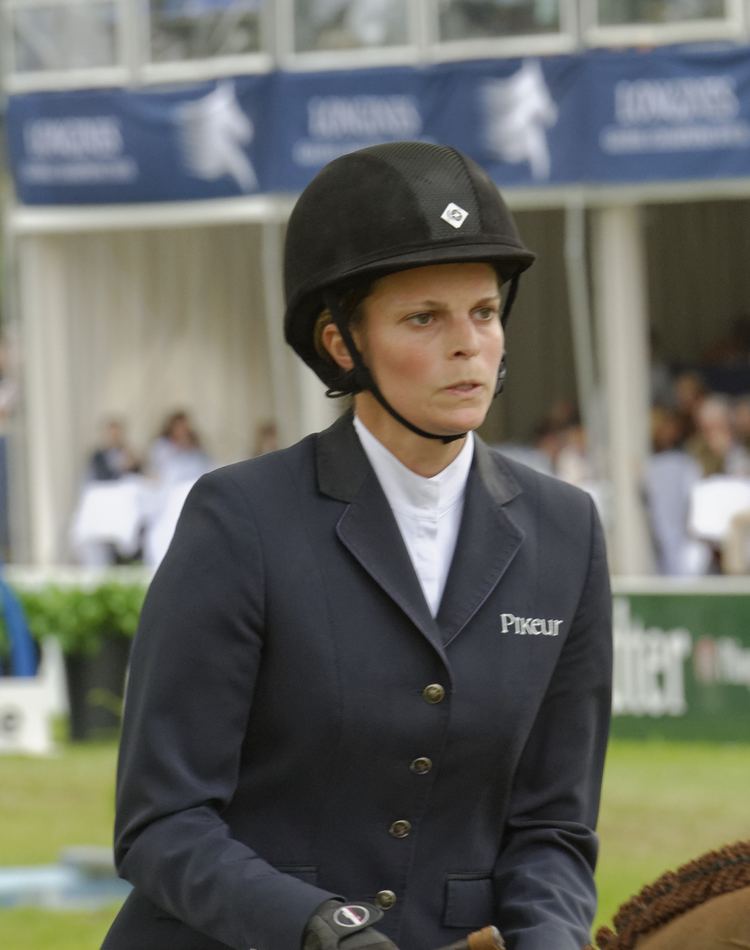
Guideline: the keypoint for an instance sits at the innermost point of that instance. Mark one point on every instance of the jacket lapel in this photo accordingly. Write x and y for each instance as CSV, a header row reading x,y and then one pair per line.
x,y
367,527
488,540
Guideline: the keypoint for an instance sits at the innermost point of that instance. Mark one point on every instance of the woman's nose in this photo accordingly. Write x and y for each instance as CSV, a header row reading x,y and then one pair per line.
x,y
464,340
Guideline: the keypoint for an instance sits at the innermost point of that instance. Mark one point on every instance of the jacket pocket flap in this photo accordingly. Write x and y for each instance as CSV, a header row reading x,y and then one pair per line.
x,y
469,901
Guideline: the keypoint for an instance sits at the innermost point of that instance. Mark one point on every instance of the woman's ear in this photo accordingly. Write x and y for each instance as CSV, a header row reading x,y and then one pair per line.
x,y
335,346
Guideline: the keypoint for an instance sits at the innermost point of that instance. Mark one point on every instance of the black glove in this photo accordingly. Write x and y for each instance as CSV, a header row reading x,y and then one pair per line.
x,y
338,926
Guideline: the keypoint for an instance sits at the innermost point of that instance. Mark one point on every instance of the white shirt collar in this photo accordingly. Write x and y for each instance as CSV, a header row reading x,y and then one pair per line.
x,y
412,493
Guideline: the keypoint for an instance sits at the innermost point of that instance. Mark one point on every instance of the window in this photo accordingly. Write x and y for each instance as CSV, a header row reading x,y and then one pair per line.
x,y
349,24
629,22
487,19
631,12
49,36
183,30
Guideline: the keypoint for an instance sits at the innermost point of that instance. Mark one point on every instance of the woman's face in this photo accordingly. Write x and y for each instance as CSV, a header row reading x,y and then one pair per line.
x,y
432,339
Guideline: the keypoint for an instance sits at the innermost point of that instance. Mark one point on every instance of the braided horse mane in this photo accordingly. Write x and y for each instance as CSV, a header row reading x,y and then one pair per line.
x,y
675,892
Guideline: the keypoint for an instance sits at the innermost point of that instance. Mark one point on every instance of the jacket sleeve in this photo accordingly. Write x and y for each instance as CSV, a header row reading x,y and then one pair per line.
x,y
544,883
193,671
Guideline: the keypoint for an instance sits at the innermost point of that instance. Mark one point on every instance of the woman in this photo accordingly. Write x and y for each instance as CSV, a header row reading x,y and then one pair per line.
x,y
339,732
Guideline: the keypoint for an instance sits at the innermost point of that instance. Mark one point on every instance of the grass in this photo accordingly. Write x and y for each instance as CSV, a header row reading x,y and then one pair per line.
x,y
27,928
47,805
55,802
662,804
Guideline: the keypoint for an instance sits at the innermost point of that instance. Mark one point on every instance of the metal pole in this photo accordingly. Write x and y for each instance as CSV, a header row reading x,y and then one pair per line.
x,y
273,308
622,319
133,37
16,455
576,267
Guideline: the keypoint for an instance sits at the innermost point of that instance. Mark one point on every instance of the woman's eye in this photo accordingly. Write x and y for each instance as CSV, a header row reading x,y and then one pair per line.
x,y
485,313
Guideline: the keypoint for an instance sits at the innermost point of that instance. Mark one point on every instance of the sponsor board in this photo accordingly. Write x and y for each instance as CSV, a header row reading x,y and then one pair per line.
x,y
682,666
594,117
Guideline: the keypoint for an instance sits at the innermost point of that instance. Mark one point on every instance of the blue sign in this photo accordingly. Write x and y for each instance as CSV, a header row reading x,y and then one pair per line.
x,y
106,146
678,114
518,118
595,117
322,115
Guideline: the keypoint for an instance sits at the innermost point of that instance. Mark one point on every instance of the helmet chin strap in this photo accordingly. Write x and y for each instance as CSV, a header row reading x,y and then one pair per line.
x,y
366,381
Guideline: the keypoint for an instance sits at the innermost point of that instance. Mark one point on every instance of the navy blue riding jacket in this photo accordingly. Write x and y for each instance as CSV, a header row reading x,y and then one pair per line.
x,y
298,726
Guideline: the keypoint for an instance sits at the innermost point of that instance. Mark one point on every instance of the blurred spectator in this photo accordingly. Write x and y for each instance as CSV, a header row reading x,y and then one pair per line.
x,y
113,458
266,438
573,464
176,455
176,462
721,500
667,429
669,477
562,413
121,515
107,522
689,392
561,448
560,441
548,440
714,445
741,422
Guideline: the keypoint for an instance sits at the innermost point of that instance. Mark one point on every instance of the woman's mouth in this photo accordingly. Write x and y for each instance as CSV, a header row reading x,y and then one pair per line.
x,y
468,388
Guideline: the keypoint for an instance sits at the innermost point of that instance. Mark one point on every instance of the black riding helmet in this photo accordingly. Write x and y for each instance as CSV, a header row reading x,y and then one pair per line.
x,y
382,209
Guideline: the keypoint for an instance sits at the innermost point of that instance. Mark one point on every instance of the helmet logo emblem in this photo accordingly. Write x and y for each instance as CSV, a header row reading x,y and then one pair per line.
x,y
454,215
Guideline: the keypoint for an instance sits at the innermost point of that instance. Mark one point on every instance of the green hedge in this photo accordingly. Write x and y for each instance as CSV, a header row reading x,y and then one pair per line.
x,y
80,617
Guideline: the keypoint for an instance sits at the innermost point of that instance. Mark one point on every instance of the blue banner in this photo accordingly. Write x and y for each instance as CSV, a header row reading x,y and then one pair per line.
x,y
105,146
675,114
322,115
599,117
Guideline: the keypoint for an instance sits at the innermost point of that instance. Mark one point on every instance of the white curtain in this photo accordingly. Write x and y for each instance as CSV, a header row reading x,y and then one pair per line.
x,y
137,324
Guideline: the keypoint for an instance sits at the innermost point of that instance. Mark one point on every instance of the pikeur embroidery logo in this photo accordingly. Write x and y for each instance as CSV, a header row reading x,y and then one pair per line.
x,y
529,626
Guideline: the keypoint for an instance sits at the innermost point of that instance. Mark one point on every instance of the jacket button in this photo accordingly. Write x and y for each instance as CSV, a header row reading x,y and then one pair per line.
x,y
385,899
421,766
434,693
400,828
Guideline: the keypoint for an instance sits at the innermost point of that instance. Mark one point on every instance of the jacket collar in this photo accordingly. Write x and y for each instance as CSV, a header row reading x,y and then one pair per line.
x,y
343,466
487,542
341,462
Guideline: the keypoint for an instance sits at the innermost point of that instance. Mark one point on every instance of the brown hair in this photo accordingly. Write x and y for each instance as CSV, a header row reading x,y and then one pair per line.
x,y
351,298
